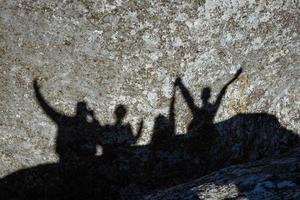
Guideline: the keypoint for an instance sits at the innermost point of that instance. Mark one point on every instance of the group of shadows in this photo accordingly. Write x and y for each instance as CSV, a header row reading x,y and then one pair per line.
x,y
126,170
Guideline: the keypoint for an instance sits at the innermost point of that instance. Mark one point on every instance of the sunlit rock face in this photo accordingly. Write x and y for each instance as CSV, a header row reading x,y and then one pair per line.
x,y
130,52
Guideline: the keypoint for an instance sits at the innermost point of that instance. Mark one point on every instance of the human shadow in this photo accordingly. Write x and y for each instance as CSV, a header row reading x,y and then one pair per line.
x,y
202,124
118,135
126,170
164,127
76,137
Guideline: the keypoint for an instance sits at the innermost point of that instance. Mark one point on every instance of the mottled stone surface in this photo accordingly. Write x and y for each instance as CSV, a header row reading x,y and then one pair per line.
x,y
129,52
266,179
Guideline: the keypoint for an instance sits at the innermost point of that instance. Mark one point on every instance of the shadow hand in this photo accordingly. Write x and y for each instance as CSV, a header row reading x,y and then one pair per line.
x,y
238,72
178,81
35,84
141,123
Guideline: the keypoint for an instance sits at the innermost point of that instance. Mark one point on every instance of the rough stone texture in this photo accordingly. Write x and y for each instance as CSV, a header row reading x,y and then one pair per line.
x,y
129,52
265,179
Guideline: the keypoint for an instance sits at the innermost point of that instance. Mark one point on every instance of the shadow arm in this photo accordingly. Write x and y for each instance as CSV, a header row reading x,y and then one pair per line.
x,y
55,116
172,114
139,132
186,94
223,90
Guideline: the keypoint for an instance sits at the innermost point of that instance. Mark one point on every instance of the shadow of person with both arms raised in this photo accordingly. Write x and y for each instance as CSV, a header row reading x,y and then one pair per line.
x,y
129,171
202,125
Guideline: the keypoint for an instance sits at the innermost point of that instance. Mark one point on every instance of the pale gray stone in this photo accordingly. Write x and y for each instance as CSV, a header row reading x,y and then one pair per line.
x,y
130,52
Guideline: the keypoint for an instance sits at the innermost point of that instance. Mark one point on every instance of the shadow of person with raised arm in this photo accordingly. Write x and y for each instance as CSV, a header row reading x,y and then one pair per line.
x,y
202,124
163,135
76,136
164,128
127,174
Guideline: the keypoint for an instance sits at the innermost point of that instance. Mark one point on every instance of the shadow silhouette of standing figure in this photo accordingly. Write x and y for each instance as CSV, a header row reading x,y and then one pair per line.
x,y
202,124
120,134
76,136
164,127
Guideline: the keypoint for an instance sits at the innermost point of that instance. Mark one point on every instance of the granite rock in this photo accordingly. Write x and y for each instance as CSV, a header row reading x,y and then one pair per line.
x,y
129,52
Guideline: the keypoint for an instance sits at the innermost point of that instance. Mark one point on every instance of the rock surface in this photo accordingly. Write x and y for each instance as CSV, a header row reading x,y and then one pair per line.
x,y
266,179
129,52
108,53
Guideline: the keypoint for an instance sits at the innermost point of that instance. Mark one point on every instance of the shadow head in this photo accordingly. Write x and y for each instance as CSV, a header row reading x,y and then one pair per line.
x,y
81,108
206,93
120,112
161,121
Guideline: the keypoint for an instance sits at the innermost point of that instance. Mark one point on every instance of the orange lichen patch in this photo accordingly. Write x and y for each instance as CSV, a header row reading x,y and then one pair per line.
x,y
238,104
230,102
242,100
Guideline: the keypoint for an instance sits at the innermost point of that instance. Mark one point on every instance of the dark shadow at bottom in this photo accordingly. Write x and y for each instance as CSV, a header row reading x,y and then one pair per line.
x,y
135,171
